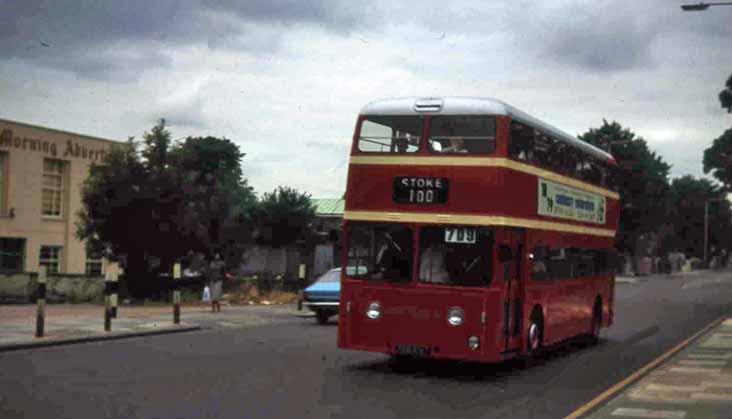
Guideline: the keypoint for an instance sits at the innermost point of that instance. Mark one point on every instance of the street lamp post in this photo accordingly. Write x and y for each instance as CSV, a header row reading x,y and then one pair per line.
x,y
706,226
702,6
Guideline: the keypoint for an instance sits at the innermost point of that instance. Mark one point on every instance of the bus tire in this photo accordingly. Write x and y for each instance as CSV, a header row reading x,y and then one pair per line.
x,y
322,316
596,323
534,332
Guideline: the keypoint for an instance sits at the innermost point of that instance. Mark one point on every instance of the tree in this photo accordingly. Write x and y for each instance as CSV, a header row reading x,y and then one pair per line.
x,y
643,179
212,180
688,197
725,96
718,159
283,216
151,207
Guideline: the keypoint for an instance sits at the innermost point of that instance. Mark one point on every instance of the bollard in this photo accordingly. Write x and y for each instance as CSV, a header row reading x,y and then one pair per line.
x,y
108,302
41,302
115,292
301,275
176,294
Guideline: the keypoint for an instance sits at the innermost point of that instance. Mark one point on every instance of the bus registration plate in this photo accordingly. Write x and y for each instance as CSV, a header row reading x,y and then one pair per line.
x,y
420,190
413,350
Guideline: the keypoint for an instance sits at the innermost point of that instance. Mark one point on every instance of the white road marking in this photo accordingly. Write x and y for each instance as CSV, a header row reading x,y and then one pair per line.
x,y
696,362
721,355
647,413
717,397
695,370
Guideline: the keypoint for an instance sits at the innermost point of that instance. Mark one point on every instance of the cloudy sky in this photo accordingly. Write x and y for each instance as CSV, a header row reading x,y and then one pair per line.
x,y
285,79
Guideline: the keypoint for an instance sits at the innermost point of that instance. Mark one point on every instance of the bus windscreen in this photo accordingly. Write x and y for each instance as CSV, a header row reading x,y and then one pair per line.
x,y
380,252
455,255
472,134
390,134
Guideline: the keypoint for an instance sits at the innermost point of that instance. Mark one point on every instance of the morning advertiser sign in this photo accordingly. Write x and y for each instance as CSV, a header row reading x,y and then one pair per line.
x,y
561,201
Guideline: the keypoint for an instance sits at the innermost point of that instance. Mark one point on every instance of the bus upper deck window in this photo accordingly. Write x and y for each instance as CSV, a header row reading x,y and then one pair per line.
x,y
390,134
463,134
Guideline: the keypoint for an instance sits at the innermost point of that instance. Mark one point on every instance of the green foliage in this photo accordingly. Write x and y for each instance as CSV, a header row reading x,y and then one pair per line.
x,y
643,179
157,144
725,96
688,196
163,201
718,159
283,216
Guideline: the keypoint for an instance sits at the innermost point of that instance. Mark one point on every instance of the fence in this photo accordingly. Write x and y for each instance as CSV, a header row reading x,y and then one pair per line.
x,y
74,288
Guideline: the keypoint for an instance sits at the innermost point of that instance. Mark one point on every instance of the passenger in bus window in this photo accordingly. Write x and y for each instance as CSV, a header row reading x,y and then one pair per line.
x,y
432,266
520,145
457,145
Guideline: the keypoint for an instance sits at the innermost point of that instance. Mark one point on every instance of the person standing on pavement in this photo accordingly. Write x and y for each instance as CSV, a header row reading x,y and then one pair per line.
x,y
216,281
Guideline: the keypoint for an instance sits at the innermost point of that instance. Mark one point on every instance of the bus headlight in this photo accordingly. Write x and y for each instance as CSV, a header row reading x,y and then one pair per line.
x,y
473,342
455,316
374,310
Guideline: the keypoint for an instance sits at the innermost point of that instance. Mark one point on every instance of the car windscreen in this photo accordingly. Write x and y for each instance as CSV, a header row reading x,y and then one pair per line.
x,y
331,276
471,134
455,255
390,134
379,251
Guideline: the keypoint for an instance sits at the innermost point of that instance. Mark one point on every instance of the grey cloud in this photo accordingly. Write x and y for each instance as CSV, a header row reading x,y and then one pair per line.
x,y
611,36
341,147
607,38
183,113
80,35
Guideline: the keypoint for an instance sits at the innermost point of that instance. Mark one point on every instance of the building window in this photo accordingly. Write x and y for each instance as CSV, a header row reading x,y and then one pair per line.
x,y
11,254
53,187
93,264
51,258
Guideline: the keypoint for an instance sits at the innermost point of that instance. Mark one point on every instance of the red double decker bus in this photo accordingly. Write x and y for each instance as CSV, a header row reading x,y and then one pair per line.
x,y
473,231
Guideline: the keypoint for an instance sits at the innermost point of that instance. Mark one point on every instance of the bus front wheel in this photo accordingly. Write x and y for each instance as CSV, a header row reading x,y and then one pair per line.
x,y
534,333
322,316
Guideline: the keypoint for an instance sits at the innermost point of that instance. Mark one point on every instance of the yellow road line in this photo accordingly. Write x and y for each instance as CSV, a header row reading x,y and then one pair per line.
x,y
636,375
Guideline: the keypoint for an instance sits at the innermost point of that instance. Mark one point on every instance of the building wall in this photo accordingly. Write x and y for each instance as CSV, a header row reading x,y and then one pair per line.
x,y
26,146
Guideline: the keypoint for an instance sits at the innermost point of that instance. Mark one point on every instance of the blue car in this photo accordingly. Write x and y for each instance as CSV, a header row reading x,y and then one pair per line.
x,y
322,296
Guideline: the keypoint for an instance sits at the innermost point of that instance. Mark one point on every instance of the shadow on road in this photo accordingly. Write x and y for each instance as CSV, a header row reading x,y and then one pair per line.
x,y
475,371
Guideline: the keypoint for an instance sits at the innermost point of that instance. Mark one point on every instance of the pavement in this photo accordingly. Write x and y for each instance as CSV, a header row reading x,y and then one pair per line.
x,y
695,383
675,275
67,323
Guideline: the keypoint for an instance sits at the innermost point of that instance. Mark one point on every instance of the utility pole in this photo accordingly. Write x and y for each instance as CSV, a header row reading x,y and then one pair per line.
x,y
706,226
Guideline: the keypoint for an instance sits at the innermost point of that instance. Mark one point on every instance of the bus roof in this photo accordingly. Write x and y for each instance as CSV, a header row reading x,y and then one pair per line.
x,y
475,106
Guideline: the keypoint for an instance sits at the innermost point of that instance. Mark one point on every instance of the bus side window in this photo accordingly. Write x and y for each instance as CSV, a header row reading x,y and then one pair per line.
x,y
539,266
542,147
570,162
557,154
604,175
558,266
520,142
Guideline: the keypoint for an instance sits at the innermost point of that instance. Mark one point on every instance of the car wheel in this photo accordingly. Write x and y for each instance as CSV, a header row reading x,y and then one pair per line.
x,y
322,316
